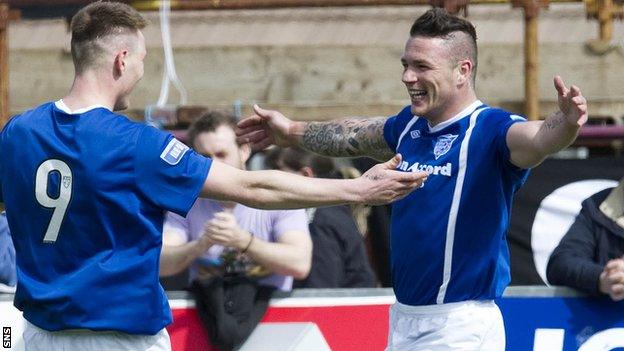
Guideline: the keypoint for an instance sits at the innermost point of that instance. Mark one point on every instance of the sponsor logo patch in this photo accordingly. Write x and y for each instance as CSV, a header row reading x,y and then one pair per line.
x,y
172,154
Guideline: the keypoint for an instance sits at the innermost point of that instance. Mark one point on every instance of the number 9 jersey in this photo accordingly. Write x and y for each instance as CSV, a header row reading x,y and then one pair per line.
x,y
85,194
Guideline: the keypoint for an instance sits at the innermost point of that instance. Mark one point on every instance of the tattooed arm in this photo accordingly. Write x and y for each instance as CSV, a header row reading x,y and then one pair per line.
x,y
349,137
531,142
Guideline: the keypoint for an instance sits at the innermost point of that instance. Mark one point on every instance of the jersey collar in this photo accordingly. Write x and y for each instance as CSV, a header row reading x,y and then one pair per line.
x,y
465,112
61,106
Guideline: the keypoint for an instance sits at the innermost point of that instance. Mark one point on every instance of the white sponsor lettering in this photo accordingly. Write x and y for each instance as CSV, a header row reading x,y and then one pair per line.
x,y
444,170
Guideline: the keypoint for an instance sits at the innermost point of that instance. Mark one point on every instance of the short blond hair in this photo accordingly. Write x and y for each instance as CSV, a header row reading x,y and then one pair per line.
x,y
96,21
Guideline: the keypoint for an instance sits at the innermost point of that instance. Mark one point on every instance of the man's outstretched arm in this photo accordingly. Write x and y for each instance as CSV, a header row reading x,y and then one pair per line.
x,y
531,142
349,137
281,190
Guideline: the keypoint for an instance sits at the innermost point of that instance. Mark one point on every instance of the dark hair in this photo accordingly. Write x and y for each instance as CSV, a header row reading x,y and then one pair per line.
x,y
296,159
437,23
98,20
209,121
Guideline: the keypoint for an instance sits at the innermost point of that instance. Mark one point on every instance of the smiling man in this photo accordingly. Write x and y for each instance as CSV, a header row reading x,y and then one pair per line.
x,y
449,254
86,190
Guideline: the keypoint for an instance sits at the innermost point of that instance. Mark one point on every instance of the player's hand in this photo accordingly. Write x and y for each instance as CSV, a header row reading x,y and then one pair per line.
x,y
611,279
383,183
572,103
265,128
223,230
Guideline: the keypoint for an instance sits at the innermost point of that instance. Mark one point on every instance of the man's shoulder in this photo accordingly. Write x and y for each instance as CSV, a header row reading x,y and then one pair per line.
x,y
124,130
119,119
397,123
496,113
98,115
31,115
593,208
492,120
593,202
405,113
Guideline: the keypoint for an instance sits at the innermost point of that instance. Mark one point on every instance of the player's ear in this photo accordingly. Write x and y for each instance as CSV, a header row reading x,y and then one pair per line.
x,y
464,71
119,65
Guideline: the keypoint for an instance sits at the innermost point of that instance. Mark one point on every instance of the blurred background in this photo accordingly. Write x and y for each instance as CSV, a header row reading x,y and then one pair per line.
x,y
320,61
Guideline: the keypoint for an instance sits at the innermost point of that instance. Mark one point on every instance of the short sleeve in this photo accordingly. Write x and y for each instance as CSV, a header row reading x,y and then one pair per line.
x,y
504,123
169,173
177,228
394,126
290,220
501,121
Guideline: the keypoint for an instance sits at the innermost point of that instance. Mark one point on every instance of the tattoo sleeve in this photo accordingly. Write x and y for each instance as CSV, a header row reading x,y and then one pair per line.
x,y
351,137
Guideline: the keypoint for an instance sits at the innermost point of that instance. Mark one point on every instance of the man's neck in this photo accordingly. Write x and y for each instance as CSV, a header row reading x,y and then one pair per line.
x,y
88,90
451,110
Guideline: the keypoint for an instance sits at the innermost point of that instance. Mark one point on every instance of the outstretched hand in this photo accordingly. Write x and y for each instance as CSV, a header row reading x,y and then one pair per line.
x,y
385,184
572,103
264,128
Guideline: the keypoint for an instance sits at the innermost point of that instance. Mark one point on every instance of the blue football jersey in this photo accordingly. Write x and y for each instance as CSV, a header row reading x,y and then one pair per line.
x,y
85,195
448,238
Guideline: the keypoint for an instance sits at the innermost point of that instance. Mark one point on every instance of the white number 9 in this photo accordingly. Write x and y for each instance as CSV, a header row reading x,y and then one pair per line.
x,y
59,204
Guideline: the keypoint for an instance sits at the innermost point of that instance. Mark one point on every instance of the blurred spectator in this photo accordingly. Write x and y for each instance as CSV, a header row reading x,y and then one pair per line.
x,y
590,255
238,255
218,237
8,277
339,258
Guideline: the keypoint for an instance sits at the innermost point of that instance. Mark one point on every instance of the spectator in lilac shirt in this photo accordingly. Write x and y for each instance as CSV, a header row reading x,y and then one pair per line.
x,y
215,237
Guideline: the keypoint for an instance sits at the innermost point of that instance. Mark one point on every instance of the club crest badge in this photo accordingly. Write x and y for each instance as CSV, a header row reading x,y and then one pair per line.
x,y
67,181
443,144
